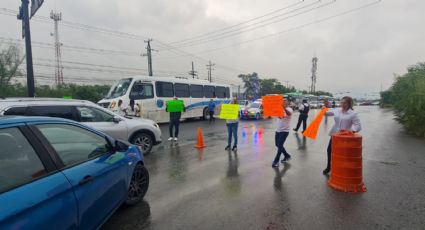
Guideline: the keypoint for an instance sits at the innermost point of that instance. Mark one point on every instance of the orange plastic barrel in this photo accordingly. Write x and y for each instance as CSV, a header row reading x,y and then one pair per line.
x,y
346,163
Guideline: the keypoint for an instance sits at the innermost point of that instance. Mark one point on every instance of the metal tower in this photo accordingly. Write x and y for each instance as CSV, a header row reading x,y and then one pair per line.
x,y
313,75
58,70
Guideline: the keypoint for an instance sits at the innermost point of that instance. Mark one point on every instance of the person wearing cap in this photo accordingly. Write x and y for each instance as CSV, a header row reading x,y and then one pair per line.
x,y
304,108
174,123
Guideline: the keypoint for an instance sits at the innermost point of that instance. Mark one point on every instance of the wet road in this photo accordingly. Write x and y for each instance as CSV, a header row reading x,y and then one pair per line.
x,y
215,189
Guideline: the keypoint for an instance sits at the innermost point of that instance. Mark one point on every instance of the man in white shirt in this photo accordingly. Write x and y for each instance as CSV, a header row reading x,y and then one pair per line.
x,y
304,108
282,132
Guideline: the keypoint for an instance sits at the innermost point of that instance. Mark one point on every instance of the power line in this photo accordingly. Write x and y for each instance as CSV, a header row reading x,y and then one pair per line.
x,y
238,24
259,24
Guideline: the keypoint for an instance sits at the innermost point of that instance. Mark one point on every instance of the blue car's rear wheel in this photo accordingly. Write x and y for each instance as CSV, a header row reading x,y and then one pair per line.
x,y
139,185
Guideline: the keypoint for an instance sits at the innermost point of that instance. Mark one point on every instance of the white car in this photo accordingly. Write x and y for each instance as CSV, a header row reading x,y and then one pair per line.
x,y
142,132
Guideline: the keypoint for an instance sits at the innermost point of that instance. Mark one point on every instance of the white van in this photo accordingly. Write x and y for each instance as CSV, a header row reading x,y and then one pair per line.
x,y
151,94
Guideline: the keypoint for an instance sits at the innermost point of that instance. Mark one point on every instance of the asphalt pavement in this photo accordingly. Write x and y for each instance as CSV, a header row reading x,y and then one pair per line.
x,y
212,188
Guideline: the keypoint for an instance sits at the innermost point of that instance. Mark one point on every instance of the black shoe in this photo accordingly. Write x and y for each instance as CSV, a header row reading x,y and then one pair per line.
x,y
296,130
326,171
287,158
235,148
275,165
227,147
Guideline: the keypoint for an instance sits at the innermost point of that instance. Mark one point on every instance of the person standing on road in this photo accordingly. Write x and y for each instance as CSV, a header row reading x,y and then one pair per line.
x,y
345,119
120,109
132,110
211,108
174,123
282,132
232,130
304,108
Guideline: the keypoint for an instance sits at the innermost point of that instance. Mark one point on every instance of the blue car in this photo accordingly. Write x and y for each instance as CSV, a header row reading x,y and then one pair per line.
x,y
60,174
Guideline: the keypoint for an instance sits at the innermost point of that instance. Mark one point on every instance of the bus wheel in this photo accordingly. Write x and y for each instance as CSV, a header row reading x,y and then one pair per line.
x,y
205,114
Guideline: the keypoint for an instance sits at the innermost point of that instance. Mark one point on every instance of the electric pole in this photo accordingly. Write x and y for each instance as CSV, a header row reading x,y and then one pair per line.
x,y
193,73
313,75
149,55
59,68
287,84
209,68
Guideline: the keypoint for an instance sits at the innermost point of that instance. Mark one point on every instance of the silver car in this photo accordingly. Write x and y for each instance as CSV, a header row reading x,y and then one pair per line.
x,y
142,132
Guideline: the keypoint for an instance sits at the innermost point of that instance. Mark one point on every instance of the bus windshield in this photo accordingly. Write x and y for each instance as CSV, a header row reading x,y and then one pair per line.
x,y
120,88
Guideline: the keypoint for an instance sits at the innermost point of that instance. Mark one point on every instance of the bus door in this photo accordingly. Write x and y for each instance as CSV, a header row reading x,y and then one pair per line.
x,y
143,95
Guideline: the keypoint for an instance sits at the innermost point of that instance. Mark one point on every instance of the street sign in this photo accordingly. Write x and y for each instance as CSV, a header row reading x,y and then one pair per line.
x,y
35,4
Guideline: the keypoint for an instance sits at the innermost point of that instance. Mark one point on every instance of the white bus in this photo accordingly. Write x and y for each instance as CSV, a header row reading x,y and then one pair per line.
x,y
151,94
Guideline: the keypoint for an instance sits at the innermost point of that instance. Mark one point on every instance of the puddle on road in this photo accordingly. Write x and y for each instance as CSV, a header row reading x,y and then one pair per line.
x,y
392,163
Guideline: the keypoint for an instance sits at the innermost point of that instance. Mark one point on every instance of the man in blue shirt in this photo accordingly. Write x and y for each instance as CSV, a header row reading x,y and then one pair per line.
x,y
211,108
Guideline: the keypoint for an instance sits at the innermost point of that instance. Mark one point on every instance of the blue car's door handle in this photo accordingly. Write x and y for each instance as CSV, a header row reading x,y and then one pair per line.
x,y
86,180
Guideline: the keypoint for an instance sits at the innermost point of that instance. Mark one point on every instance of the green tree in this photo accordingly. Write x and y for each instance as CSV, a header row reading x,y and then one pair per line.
x,y
251,84
10,60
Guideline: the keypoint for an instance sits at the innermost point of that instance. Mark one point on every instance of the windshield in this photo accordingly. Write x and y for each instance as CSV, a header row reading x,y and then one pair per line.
x,y
254,105
242,102
120,88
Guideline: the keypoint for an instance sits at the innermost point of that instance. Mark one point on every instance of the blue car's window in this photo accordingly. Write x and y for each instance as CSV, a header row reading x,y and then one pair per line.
x,y
19,163
73,144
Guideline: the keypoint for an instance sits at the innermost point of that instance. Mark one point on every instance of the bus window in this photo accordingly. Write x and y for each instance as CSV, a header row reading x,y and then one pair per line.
x,y
228,92
197,91
181,90
220,92
209,91
141,91
164,89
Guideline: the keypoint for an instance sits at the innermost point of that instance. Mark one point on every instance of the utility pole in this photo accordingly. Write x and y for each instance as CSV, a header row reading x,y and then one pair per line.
x,y
209,68
59,68
149,55
287,84
26,33
313,75
193,73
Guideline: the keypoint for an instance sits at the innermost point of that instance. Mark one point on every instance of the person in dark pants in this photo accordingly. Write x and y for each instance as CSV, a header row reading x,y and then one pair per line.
x,y
304,108
282,131
174,123
232,130
211,108
345,119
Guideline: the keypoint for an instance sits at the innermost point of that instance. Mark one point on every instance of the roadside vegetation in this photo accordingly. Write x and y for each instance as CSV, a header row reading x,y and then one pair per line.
x,y
407,97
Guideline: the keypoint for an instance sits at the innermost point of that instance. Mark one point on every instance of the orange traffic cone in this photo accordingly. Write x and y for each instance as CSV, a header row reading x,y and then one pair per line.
x,y
200,142
313,128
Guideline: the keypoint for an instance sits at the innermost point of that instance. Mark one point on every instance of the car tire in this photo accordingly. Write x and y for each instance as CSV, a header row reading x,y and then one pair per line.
x,y
257,116
205,114
144,141
139,185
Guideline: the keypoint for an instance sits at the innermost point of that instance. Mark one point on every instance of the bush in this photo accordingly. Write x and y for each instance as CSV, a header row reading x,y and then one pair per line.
x,y
408,97
84,92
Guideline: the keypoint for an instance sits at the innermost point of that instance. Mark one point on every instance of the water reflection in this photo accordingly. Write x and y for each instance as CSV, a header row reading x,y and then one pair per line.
x,y
178,166
232,181
131,217
301,141
279,174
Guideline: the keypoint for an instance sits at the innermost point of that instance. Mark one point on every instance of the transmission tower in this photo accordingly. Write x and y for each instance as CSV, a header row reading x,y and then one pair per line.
x,y
210,69
58,69
313,75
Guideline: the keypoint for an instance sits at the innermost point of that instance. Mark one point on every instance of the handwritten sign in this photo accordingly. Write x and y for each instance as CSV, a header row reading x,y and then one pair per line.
x,y
273,106
175,106
229,111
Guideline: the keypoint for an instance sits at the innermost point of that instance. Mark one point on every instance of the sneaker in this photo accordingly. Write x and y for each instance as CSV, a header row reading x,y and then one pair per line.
x,y
326,171
235,148
227,148
275,165
287,158
170,139
175,139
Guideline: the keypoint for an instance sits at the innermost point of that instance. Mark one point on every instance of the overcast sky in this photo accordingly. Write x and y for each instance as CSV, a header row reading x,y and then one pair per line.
x,y
358,52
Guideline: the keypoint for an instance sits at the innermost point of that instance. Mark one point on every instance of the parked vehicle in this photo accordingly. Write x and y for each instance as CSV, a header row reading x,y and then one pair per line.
x,y
61,174
253,110
142,132
314,104
151,93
